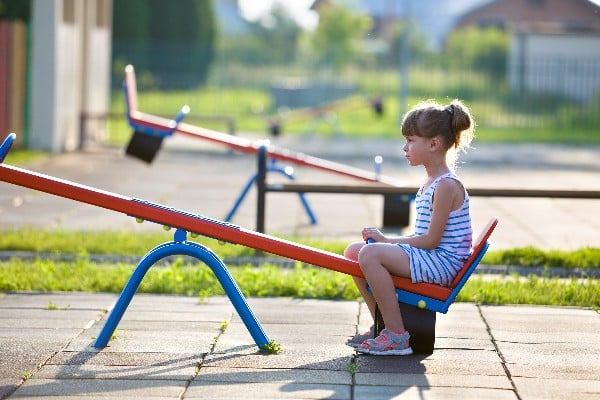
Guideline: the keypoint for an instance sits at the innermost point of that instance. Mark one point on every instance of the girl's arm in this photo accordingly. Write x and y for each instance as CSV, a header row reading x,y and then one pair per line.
x,y
449,196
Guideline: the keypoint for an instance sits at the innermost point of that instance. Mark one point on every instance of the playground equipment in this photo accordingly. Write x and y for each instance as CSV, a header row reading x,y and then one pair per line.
x,y
157,128
423,299
150,130
323,112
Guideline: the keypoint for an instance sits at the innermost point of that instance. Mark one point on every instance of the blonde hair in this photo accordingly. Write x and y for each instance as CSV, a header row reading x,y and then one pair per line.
x,y
453,123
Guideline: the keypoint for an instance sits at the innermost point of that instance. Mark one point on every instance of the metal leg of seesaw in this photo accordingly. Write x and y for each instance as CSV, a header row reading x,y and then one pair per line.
x,y
272,167
180,246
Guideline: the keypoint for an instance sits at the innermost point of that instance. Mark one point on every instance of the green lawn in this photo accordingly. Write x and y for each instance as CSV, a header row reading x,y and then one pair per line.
x,y
267,279
124,243
250,108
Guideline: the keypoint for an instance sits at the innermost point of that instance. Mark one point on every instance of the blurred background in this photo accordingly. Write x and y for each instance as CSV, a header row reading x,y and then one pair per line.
x,y
529,69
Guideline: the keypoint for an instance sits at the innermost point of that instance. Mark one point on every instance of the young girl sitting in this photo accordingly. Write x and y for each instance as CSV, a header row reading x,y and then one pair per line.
x,y
442,239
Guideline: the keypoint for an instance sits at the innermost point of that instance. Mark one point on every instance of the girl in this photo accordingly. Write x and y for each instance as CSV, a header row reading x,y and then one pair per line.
x,y
442,239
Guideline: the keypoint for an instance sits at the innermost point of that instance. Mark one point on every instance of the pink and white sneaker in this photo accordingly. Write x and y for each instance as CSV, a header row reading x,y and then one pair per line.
x,y
387,343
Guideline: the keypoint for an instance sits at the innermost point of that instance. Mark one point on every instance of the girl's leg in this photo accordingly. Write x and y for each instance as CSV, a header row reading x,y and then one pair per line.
x,y
378,262
352,252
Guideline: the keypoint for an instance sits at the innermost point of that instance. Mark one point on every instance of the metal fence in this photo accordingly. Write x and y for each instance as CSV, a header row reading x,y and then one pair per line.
x,y
551,92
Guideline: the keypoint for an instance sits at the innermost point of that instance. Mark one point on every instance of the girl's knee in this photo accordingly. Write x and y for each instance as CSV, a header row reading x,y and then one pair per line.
x,y
367,255
353,249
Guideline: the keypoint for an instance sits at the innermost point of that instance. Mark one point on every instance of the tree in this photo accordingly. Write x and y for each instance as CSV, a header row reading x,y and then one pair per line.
x,y
278,32
337,34
173,40
182,35
417,43
129,37
484,49
15,9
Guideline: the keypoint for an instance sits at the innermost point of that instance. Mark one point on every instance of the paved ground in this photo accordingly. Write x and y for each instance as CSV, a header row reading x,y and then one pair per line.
x,y
172,347
178,347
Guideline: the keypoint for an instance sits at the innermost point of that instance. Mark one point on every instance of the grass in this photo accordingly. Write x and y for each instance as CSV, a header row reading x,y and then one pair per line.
x,y
266,280
125,243
532,290
251,110
272,281
23,156
587,257
121,242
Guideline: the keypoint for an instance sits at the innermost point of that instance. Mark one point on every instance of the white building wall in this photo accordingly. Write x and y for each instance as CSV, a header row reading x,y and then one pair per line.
x,y
43,122
69,74
563,64
65,83
96,70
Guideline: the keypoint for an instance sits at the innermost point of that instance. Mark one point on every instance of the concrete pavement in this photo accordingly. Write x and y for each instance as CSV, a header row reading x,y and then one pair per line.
x,y
175,347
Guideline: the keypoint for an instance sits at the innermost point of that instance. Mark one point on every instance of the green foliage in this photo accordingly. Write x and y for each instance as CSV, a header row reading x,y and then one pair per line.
x,y
532,290
175,278
485,49
270,281
301,281
136,244
15,10
130,20
272,347
93,242
272,42
587,257
182,34
22,156
335,39
417,42
166,39
129,37
277,35
497,119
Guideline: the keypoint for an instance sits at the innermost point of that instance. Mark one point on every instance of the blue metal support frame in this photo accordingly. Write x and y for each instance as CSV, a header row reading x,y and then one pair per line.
x,y
180,246
6,145
272,167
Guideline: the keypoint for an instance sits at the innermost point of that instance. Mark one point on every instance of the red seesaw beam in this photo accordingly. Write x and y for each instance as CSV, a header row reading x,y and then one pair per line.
x,y
216,229
284,155
176,218
136,117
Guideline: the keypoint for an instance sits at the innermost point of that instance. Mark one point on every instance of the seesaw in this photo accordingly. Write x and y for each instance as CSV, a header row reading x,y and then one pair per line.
x,y
149,131
321,112
156,128
423,299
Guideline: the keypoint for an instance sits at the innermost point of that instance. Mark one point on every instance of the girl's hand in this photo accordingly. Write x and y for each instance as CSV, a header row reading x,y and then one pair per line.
x,y
374,234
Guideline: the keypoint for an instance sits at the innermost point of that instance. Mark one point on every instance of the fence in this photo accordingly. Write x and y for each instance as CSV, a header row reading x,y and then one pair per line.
x,y
554,94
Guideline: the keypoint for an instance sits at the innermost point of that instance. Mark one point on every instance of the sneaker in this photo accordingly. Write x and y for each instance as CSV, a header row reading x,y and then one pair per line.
x,y
387,343
359,338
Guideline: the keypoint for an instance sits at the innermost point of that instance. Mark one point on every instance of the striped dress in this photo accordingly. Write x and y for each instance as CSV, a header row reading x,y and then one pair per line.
x,y
441,264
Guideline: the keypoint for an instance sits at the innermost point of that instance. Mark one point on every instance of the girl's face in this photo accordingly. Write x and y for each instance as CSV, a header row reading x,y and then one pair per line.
x,y
417,149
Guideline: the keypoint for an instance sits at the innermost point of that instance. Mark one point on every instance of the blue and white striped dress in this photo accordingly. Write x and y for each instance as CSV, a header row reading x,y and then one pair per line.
x,y
441,264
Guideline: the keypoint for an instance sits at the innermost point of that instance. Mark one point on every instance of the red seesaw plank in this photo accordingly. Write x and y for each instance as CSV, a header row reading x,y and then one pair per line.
x,y
137,117
176,218
198,224
282,154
